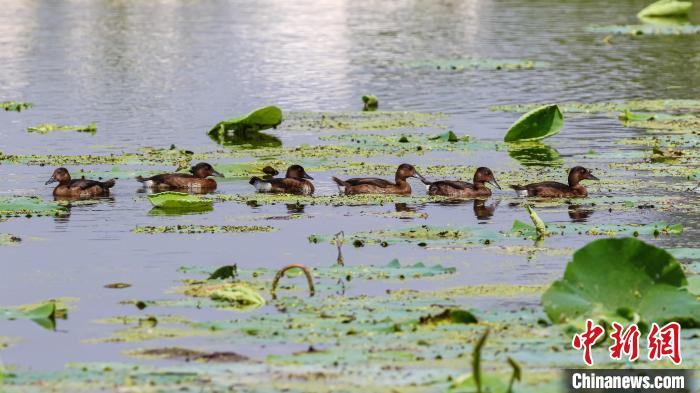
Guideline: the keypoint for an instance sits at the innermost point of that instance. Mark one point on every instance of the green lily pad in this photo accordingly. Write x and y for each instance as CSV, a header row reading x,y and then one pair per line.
x,y
539,123
257,120
448,136
179,201
240,296
666,8
29,206
15,106
49,127
616,278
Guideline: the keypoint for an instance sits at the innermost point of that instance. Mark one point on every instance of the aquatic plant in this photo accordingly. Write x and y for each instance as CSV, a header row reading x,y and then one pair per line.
x,y
15,106
610,279
255,121
666,8
45,128
539,123
190,229
370,102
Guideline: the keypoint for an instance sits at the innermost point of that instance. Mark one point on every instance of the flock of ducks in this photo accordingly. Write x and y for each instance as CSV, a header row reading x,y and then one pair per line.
x,y
297,181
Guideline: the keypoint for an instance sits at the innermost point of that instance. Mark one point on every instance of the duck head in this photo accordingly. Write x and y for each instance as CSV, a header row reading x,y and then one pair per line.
x,y
578,173
60,175
485,175
204,170
297,172
405,171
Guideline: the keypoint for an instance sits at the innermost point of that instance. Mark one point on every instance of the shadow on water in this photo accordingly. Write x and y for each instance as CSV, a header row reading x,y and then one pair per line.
x,y
535,154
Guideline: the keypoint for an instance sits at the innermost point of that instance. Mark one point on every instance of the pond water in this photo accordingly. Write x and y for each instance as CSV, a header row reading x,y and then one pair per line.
x,y
162,73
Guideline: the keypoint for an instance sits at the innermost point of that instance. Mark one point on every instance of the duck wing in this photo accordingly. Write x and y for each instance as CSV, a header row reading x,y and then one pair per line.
x,y
460,185
370,181
84,184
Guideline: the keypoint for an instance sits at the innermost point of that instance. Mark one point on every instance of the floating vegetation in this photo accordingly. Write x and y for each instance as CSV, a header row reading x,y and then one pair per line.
x,y
49,127
253,122
610,107
370,102
147,156
536,124
192,229
188,355
666,8
476,64
652,290
29,206
646,29
335,200
43,314
360,121
6,239
179,202
15,106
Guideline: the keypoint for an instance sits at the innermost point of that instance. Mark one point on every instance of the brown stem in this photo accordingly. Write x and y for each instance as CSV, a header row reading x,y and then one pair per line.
x,y
280,273
339,239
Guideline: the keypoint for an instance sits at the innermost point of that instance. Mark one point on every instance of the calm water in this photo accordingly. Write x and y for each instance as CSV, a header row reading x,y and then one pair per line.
x,y
163,72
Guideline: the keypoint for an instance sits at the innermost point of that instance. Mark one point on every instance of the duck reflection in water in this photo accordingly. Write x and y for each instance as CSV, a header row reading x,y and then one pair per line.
x,y
482,211
577,213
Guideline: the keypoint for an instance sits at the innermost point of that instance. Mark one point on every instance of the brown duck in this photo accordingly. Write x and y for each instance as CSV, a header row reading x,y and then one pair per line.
x,y
551,189
80,188
373,185
461,189
196,180
296,181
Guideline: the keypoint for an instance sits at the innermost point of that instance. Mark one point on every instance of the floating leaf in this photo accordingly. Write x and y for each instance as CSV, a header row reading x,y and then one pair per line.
x,y
257,120
614,278
48,127
179,201
666,8
537,124
190,229
29,206
476,64
449,316
240,296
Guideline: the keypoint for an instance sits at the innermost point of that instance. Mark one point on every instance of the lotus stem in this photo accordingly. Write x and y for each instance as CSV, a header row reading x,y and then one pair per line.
x,y
476,360
339,239
517,374
280,273
539,224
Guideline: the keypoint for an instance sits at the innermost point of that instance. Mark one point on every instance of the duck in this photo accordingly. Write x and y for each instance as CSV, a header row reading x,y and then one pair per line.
x,y
296,181
551,189
373,185
80,188
461,189
196,180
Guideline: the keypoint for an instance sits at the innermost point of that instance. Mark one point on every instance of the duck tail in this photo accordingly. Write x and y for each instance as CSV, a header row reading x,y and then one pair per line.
x,y
339,182
109,183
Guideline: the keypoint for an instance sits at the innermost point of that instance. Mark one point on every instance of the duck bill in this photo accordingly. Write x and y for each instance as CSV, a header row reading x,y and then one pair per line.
x,y
306,176
419,176
591,177
495,183
51,180
217,174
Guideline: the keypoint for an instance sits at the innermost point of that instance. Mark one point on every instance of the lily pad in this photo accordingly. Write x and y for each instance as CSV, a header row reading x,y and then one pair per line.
x,y
171,200
666,8
370,102
617,278
539,123
476,64
240,296
49,127
257,120
29,206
